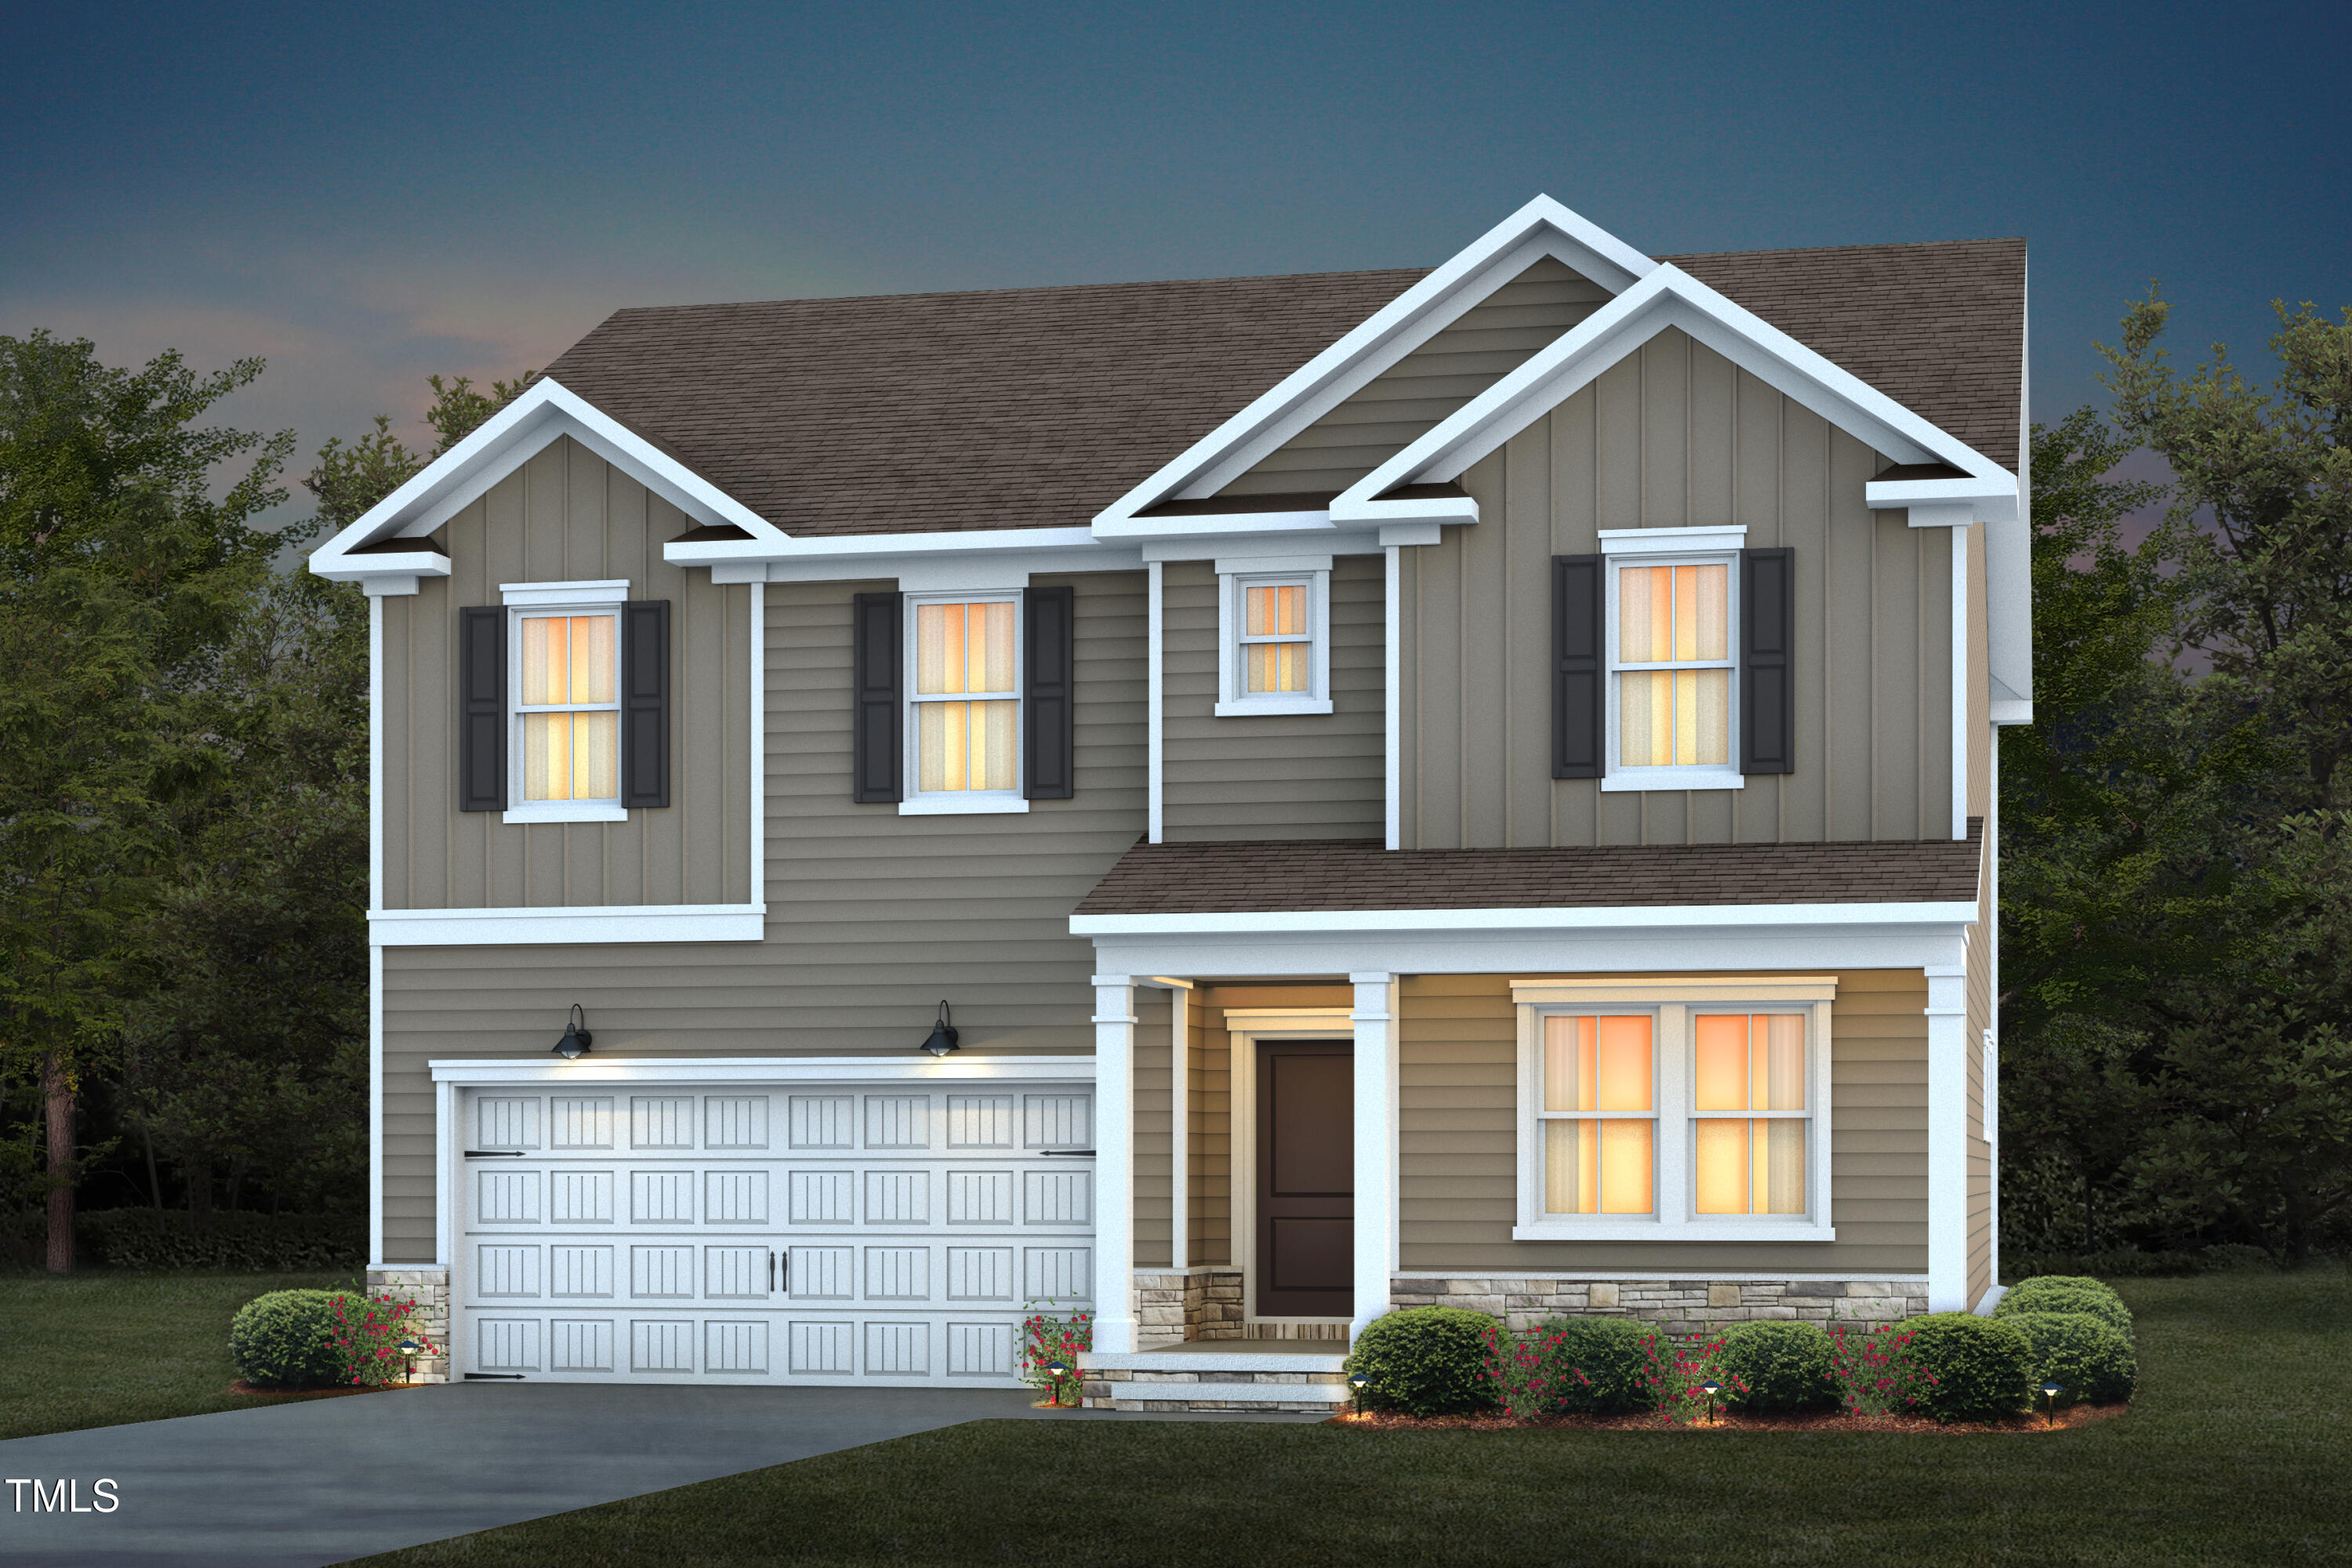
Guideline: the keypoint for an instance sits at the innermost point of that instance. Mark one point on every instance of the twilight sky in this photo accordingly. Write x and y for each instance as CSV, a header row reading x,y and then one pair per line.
x,y
366,195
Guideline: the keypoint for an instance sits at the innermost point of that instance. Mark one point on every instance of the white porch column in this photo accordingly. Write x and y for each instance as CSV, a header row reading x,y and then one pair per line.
x,y
1113,1163
1375,1021
1947,1136
1179,1126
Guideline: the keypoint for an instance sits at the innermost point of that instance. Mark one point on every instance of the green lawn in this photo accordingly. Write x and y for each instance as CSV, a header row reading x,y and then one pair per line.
x,y
2235,1453
100,1349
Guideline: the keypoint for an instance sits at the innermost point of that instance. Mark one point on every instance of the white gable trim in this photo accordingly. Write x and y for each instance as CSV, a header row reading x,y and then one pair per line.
x,y
1542,227
1668,296
545,412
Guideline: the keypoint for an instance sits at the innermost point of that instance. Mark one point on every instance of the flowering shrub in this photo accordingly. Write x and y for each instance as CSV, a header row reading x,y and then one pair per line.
x,y
1874,1372
1570,1366
1046,1339
367,1334
1675,1373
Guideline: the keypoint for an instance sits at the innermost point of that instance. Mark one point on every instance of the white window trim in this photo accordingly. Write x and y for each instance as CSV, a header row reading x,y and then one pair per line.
x,y
1671,1003
601,597
1615,775
1233,578
917,801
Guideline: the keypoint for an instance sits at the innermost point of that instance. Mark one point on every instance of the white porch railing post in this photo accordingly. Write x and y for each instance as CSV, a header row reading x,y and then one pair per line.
x,y
1375,1022
1113,1163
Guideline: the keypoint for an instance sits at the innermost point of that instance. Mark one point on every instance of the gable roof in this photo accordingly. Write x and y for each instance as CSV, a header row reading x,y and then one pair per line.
x,y
1037,407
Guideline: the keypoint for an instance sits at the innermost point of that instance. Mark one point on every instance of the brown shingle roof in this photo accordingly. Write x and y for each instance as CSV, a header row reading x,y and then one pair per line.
x,y
1038,407
1283,876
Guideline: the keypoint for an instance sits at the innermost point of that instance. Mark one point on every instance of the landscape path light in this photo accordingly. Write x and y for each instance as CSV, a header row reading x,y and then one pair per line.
x,y
1057,1371
1713,1388
2049,1392
408,1349
1357,1384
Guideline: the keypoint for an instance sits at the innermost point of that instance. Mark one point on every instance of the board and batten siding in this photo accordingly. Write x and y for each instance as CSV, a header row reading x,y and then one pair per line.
x,y
1459,1139
1154,1131
567,516
873,918
1678,437
1406,401
1209,1182
1287,775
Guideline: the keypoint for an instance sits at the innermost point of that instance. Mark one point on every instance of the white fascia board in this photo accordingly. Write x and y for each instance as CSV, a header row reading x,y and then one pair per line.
x,y
1668,296
914,1066
1214,525
851,547
586,923
545,411
1616,917
1542,227
2009,551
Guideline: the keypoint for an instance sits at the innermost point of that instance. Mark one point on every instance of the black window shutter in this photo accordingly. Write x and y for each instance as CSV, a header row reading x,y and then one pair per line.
x,y
878,730
644,703
1578,701
1049,690
1767,618
482,708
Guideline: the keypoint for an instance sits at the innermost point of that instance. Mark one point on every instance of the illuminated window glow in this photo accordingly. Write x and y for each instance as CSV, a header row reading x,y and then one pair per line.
x,y
567,701
1749,1063
1600,1123
1674,666
967,707
1277,649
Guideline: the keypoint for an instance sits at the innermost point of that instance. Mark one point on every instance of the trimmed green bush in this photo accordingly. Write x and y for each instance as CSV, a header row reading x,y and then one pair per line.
x,y
1608,1351
2066,1293
1983,1369
2085,1355
1784,1367
1425,1361
286,1339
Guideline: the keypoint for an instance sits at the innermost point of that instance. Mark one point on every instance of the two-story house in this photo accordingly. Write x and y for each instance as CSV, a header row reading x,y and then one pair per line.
x,y
1236,803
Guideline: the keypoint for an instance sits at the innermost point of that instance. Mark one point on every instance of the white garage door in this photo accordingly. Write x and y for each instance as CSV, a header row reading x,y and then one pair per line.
x,y
855,1232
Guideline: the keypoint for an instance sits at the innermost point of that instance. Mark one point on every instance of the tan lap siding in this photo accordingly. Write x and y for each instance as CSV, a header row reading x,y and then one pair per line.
x,y
1459,1142
1274,776
568,516
1209,1209
1678,437
872,917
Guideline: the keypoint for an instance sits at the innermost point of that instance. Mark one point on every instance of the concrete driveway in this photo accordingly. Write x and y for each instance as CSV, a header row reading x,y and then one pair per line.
x,y
289,1486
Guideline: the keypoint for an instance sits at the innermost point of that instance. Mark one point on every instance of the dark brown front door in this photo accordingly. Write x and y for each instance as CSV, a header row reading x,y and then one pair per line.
x,y
1305,1179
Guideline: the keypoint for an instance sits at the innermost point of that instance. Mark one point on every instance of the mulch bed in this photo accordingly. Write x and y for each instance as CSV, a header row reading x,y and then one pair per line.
x,y
1726,1421
238,1385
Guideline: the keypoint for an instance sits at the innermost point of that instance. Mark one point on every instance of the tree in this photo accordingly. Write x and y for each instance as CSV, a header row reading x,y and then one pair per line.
x,y
119,569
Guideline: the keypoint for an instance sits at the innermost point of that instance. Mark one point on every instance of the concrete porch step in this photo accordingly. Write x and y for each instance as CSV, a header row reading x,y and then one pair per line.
x,y
1218,1374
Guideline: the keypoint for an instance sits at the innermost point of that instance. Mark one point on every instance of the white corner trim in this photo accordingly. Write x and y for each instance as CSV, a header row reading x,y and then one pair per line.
x,y
1668,988
1393,694
565,811
1613,916
976,806
1154,723
914,1065
757,883
1961,738
1667,297
564,595
1542,228
544,412
586,923
1671,541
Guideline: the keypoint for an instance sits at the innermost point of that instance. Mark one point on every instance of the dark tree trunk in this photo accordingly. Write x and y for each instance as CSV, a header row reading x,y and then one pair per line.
x,y
57,1101
154,1182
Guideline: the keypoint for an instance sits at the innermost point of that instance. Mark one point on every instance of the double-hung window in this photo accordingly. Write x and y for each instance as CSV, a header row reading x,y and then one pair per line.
x,y
1274,636
563,659
963,707
1672,686
1674,1109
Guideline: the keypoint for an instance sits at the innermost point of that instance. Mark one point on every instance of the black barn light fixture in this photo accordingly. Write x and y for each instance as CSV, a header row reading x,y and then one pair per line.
x,y
943,1038
575,1042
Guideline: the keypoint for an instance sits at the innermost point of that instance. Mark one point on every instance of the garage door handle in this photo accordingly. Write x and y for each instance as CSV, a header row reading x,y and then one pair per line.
x,y
493,1154
1088,1153
771,1269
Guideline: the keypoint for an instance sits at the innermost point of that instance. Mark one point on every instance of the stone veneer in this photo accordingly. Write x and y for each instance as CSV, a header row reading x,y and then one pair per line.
x,y
1206,1304
430,1289
1121,1388
1681,1306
